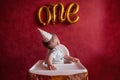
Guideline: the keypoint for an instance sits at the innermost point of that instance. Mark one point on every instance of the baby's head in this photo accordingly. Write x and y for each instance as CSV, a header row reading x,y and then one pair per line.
x,y
49,40
53,42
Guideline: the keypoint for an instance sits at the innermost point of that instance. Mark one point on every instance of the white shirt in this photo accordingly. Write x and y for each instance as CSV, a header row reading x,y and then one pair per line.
x,y
58,54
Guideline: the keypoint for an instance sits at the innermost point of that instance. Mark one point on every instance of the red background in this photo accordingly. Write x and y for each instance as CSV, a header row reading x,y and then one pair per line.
x,y
94,39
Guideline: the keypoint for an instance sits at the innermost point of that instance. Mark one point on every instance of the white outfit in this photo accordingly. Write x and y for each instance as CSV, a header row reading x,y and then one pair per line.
x,y
58,54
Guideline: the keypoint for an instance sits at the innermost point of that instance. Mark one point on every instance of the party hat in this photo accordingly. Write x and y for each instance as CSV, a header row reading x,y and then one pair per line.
x,y
45,35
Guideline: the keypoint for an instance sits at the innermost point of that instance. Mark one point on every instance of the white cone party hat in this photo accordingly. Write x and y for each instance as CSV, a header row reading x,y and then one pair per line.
x,y
45,35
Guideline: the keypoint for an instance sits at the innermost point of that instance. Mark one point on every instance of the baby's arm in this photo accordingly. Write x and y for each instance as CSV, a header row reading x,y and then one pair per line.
x,y
71,58
49,63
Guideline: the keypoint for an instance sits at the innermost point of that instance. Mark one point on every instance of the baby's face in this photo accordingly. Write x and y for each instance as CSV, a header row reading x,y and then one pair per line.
x,y
54,42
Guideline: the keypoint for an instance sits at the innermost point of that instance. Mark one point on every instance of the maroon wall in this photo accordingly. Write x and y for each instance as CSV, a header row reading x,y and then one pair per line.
x,y
94,39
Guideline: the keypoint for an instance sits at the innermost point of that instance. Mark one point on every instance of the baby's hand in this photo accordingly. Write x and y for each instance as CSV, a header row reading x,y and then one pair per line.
x,y
75,60
51,67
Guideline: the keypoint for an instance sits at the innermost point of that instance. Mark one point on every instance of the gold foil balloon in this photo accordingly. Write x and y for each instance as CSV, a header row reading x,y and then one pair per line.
x,y
60,10
48,15
51,11
62,16
74,7
54,10
54,13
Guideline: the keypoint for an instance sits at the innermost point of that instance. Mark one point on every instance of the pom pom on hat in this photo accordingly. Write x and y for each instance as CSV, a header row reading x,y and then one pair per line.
x,y
45,35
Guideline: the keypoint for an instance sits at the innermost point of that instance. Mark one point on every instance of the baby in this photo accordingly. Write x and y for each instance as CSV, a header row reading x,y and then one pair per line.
x,y
57,53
